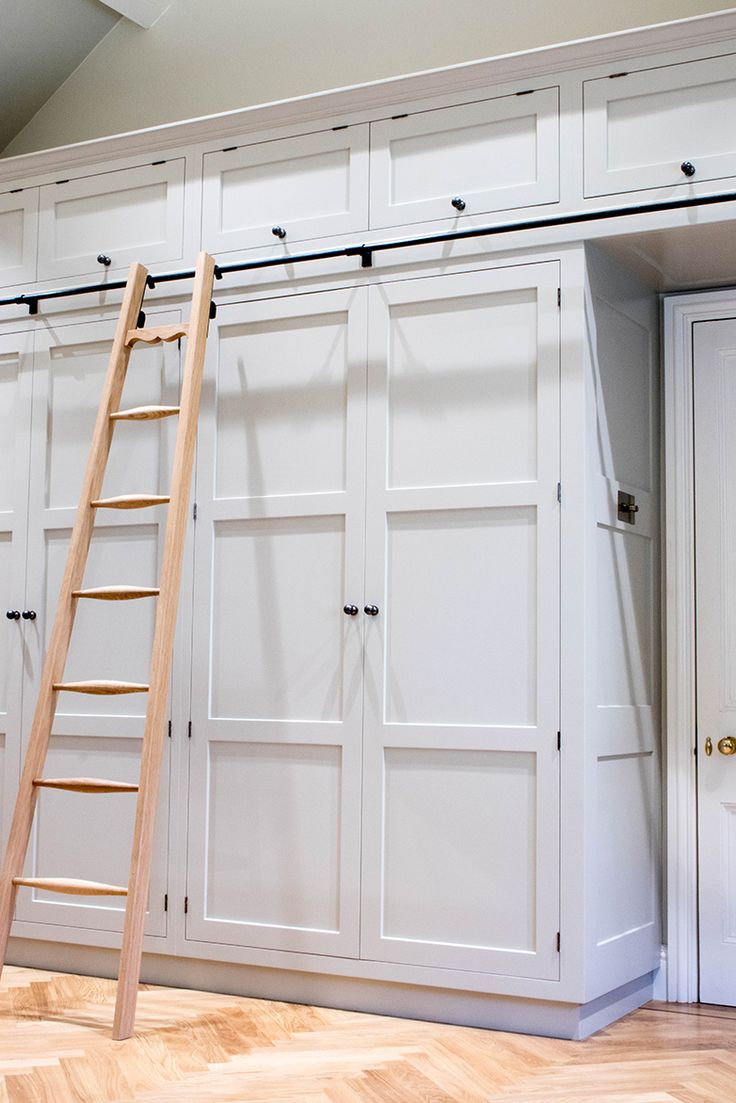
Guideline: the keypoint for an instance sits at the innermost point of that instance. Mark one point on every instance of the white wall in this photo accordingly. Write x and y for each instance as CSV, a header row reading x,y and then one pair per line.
x,y
207,56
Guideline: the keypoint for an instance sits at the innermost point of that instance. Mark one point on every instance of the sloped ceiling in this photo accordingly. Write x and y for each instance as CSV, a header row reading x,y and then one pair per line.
x,y
41,44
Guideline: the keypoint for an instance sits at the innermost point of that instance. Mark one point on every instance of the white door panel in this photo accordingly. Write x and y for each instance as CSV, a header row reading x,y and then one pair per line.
x,y
18,236
276,694
714,357
641,127
127,215
16,364
494,155
95,736
314,185
460,829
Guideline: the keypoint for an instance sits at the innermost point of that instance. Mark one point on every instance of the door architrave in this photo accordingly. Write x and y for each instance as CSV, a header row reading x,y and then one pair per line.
x,y
681,311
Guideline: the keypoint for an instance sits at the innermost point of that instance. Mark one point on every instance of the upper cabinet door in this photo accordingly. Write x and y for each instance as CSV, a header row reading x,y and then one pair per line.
x,y
128,215
315,185
651,128
489,156
18,233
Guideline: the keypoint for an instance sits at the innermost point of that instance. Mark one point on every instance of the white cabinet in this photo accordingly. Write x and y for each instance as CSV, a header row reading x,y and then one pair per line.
x,y
16,362
127,215
80,835
314,185
18,233
451,688
459,161
274,818
461,798
652,127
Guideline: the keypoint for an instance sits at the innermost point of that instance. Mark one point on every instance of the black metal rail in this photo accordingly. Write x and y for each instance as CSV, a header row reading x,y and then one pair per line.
x,y
366,250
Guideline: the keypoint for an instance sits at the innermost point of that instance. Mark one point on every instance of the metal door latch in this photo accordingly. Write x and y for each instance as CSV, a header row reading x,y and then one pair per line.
x,y
627,508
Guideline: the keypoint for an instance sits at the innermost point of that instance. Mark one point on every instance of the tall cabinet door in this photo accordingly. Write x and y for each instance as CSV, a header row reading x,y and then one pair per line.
x,y
16,363
461,793
276,689
82,835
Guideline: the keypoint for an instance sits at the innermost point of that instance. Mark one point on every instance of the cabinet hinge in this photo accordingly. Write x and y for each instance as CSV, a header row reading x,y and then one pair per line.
x,y
228,149
189,730
559,741
166,901
558,942
526,92
66,181
154,163
404,116
559,492
14,191
194,511
615,76
343,127
169,729
559,296
186,904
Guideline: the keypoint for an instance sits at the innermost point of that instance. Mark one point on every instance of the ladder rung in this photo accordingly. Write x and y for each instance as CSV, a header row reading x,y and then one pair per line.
x,y
130,501
152,335
85,785
144,413
71,887
102,686
117,593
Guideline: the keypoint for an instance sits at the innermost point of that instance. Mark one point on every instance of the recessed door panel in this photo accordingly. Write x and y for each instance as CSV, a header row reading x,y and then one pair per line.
x,y
282,390
273,837
439,566
274,829
314,185
462,654
460,888
641,128
88,836
18,235
493,155
277,589
463,410
127,215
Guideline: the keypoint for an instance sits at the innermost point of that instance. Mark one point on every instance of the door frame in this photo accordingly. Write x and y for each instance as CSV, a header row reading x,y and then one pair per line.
x,y
681,311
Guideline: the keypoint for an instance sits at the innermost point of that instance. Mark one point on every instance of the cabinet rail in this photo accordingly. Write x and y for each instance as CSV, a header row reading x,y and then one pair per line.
x,y
366,249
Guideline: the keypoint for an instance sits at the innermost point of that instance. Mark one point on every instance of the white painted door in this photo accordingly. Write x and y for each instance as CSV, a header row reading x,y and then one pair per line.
x,y
127,215
16,363
82,835
274,816
714,355
18,236
271,194
461,791
457,162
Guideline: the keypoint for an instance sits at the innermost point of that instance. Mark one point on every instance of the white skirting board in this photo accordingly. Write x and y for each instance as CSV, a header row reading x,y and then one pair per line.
x,y
522,1016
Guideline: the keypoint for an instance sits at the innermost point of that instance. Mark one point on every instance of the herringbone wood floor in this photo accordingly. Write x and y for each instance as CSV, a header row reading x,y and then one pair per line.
x,y
196,1047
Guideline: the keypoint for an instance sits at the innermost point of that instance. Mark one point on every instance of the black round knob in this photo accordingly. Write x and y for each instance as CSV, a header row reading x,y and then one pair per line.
x,y
13,614
103,259
29,614
458,203
371,610
278,231
351,610
688,168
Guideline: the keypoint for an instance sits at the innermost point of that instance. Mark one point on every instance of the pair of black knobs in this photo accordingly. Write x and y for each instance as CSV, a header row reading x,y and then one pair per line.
x,y
27,614
352,610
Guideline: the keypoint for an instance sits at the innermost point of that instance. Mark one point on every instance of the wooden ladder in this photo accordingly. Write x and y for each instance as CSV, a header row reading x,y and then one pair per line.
x,y
127,333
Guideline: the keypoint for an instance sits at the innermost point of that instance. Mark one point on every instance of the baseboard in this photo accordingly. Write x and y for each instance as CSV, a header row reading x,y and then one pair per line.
x,y
522,1016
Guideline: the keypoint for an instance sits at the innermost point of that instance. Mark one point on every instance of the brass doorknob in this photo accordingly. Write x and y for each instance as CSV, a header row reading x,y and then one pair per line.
x,y
727,745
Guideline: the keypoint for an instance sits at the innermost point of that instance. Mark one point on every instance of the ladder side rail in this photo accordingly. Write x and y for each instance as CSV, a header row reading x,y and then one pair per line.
x,y
166,613
56,655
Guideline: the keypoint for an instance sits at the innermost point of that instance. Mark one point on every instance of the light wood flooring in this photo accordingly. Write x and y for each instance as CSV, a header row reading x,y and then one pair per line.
x,y
196,1047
